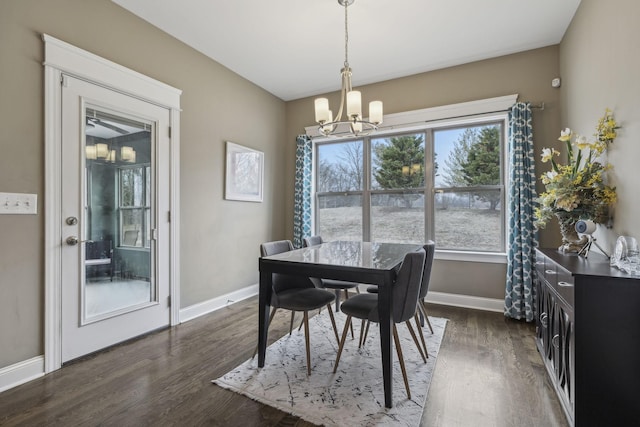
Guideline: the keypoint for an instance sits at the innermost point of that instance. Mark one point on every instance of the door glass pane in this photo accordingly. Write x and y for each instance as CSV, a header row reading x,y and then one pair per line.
x,y
118,255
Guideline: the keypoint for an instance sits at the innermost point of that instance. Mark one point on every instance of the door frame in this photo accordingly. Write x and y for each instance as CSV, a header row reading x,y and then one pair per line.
x,y
62,58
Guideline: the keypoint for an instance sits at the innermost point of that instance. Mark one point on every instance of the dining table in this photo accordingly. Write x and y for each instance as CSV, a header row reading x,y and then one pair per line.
x,y
374,263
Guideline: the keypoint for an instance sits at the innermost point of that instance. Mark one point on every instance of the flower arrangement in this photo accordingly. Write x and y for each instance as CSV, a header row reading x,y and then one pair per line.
x,y
577,190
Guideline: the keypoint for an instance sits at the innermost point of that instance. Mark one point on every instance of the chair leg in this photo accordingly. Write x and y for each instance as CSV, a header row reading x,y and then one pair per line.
x,y
423,305
415,339
361,334
306,340
333,323
401,359
366,332
424,343
344,338
273,313
346,297
293,313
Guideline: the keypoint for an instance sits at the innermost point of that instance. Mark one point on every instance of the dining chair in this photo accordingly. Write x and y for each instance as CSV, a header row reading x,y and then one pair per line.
x,y
406,291
421,309
296,294
336,285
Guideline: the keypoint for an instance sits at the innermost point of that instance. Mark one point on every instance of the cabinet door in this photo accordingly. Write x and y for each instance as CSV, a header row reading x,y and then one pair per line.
x,y
566,354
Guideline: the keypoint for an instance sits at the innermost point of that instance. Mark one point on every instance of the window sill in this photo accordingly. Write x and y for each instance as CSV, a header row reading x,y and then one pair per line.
x,y
486,257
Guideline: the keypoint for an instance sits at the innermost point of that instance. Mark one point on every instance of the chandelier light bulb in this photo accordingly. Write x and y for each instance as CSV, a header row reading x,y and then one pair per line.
x,y
375,112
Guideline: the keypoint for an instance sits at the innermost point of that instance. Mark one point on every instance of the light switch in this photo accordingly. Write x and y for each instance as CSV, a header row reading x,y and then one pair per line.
x,y
18,204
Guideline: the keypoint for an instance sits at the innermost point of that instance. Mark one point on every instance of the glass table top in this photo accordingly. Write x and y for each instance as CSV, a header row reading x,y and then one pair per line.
x,y
380,256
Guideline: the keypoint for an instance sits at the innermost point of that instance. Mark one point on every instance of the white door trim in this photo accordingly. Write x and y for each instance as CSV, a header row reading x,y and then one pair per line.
x,y
61,57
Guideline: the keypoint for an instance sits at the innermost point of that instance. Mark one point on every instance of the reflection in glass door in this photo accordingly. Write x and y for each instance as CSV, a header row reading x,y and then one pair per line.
x,y
118,261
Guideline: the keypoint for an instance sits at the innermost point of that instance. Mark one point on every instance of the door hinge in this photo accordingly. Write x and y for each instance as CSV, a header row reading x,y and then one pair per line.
x,y
168,216
63,80
169,131
154,234
169,301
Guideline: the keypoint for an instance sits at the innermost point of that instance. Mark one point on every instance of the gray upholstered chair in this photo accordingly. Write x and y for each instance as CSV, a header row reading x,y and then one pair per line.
x,y
406,291
296,293
430,248
335,285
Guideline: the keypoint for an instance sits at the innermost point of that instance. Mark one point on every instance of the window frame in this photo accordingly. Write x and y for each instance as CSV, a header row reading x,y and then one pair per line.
x,y
145,208
470,114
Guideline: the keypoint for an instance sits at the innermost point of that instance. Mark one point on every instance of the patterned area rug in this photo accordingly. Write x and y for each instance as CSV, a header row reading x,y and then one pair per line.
x,y
354,395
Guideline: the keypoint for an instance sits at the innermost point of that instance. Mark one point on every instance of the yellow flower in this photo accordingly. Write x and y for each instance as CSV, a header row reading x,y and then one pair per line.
x,y
579,185
565,135
548,153
582,143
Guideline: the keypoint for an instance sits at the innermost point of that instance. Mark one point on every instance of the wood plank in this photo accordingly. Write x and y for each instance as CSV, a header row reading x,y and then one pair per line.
x,y
488,373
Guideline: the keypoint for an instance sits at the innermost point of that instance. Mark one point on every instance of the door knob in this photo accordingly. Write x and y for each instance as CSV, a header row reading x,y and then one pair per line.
x,y
72,220
72,240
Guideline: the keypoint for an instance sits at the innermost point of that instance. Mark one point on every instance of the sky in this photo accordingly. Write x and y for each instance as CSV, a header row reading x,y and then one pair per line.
x,y
444,144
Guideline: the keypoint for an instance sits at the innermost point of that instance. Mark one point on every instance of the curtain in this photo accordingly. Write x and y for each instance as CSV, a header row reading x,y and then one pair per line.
x,y
522,239
302,191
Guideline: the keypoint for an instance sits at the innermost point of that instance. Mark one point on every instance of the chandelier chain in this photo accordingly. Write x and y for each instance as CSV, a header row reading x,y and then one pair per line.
x,y
346,36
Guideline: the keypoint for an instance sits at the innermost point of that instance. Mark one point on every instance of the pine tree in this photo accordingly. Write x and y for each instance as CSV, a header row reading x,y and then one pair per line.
x,y
400,163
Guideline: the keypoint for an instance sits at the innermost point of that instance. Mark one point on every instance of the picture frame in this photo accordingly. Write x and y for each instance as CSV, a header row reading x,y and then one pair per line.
x,y
244,173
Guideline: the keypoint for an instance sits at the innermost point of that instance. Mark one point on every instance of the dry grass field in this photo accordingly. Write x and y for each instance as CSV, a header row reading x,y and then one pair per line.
x,y
455,228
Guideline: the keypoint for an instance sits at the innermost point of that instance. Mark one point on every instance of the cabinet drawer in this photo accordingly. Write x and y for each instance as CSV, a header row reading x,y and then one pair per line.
x,y
564,285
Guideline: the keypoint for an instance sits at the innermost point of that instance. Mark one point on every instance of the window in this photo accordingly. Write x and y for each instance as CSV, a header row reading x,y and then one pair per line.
x,y
135,206
443,181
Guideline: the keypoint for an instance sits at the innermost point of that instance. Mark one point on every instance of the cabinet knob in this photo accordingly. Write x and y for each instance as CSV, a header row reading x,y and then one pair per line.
x,y
555,340
550,272
565,284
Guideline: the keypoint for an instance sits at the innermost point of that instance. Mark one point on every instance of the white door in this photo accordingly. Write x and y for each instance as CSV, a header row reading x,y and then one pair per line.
x,y
115,214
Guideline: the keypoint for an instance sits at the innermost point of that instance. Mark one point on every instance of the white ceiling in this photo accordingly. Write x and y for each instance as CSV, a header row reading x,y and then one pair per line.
x,y
295,48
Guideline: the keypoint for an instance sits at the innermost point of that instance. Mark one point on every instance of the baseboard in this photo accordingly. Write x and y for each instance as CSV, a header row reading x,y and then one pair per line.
x,y
205,307
466,301
21,372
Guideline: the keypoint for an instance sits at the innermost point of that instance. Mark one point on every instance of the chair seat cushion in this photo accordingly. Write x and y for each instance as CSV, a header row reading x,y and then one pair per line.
x,y
362,306
304,299
338,284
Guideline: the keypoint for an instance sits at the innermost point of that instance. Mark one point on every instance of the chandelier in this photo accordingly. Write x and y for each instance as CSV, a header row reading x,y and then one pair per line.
x,y
328,124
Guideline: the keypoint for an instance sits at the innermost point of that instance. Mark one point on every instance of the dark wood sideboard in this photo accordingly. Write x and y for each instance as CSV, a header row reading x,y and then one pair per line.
x,y
588,334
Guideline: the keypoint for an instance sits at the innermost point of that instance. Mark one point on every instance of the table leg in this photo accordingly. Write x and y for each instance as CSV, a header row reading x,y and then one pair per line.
x,y
264,300
385,305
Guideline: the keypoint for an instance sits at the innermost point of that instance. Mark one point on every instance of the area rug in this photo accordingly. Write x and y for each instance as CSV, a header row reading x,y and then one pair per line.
x,y
354,396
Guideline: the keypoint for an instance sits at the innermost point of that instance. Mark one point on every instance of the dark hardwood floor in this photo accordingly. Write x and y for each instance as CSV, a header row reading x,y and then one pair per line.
x,y
488,373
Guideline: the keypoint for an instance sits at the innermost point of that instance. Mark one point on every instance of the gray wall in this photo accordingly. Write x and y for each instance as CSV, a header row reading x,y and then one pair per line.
x,y
528,74
219,238
599,63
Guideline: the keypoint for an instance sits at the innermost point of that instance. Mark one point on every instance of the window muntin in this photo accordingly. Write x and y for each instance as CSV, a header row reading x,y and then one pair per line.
x,y
135,206
426,197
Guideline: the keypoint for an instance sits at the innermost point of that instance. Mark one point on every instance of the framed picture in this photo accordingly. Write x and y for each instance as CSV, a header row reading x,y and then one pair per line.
x,y
245,170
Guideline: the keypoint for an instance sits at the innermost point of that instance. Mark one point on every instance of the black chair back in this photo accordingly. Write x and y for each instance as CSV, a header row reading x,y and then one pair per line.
x,y
407,287
311,241
282,282
430,249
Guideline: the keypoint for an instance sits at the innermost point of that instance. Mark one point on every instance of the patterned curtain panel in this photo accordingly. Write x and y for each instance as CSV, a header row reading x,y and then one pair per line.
x,y
302,190
519,298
